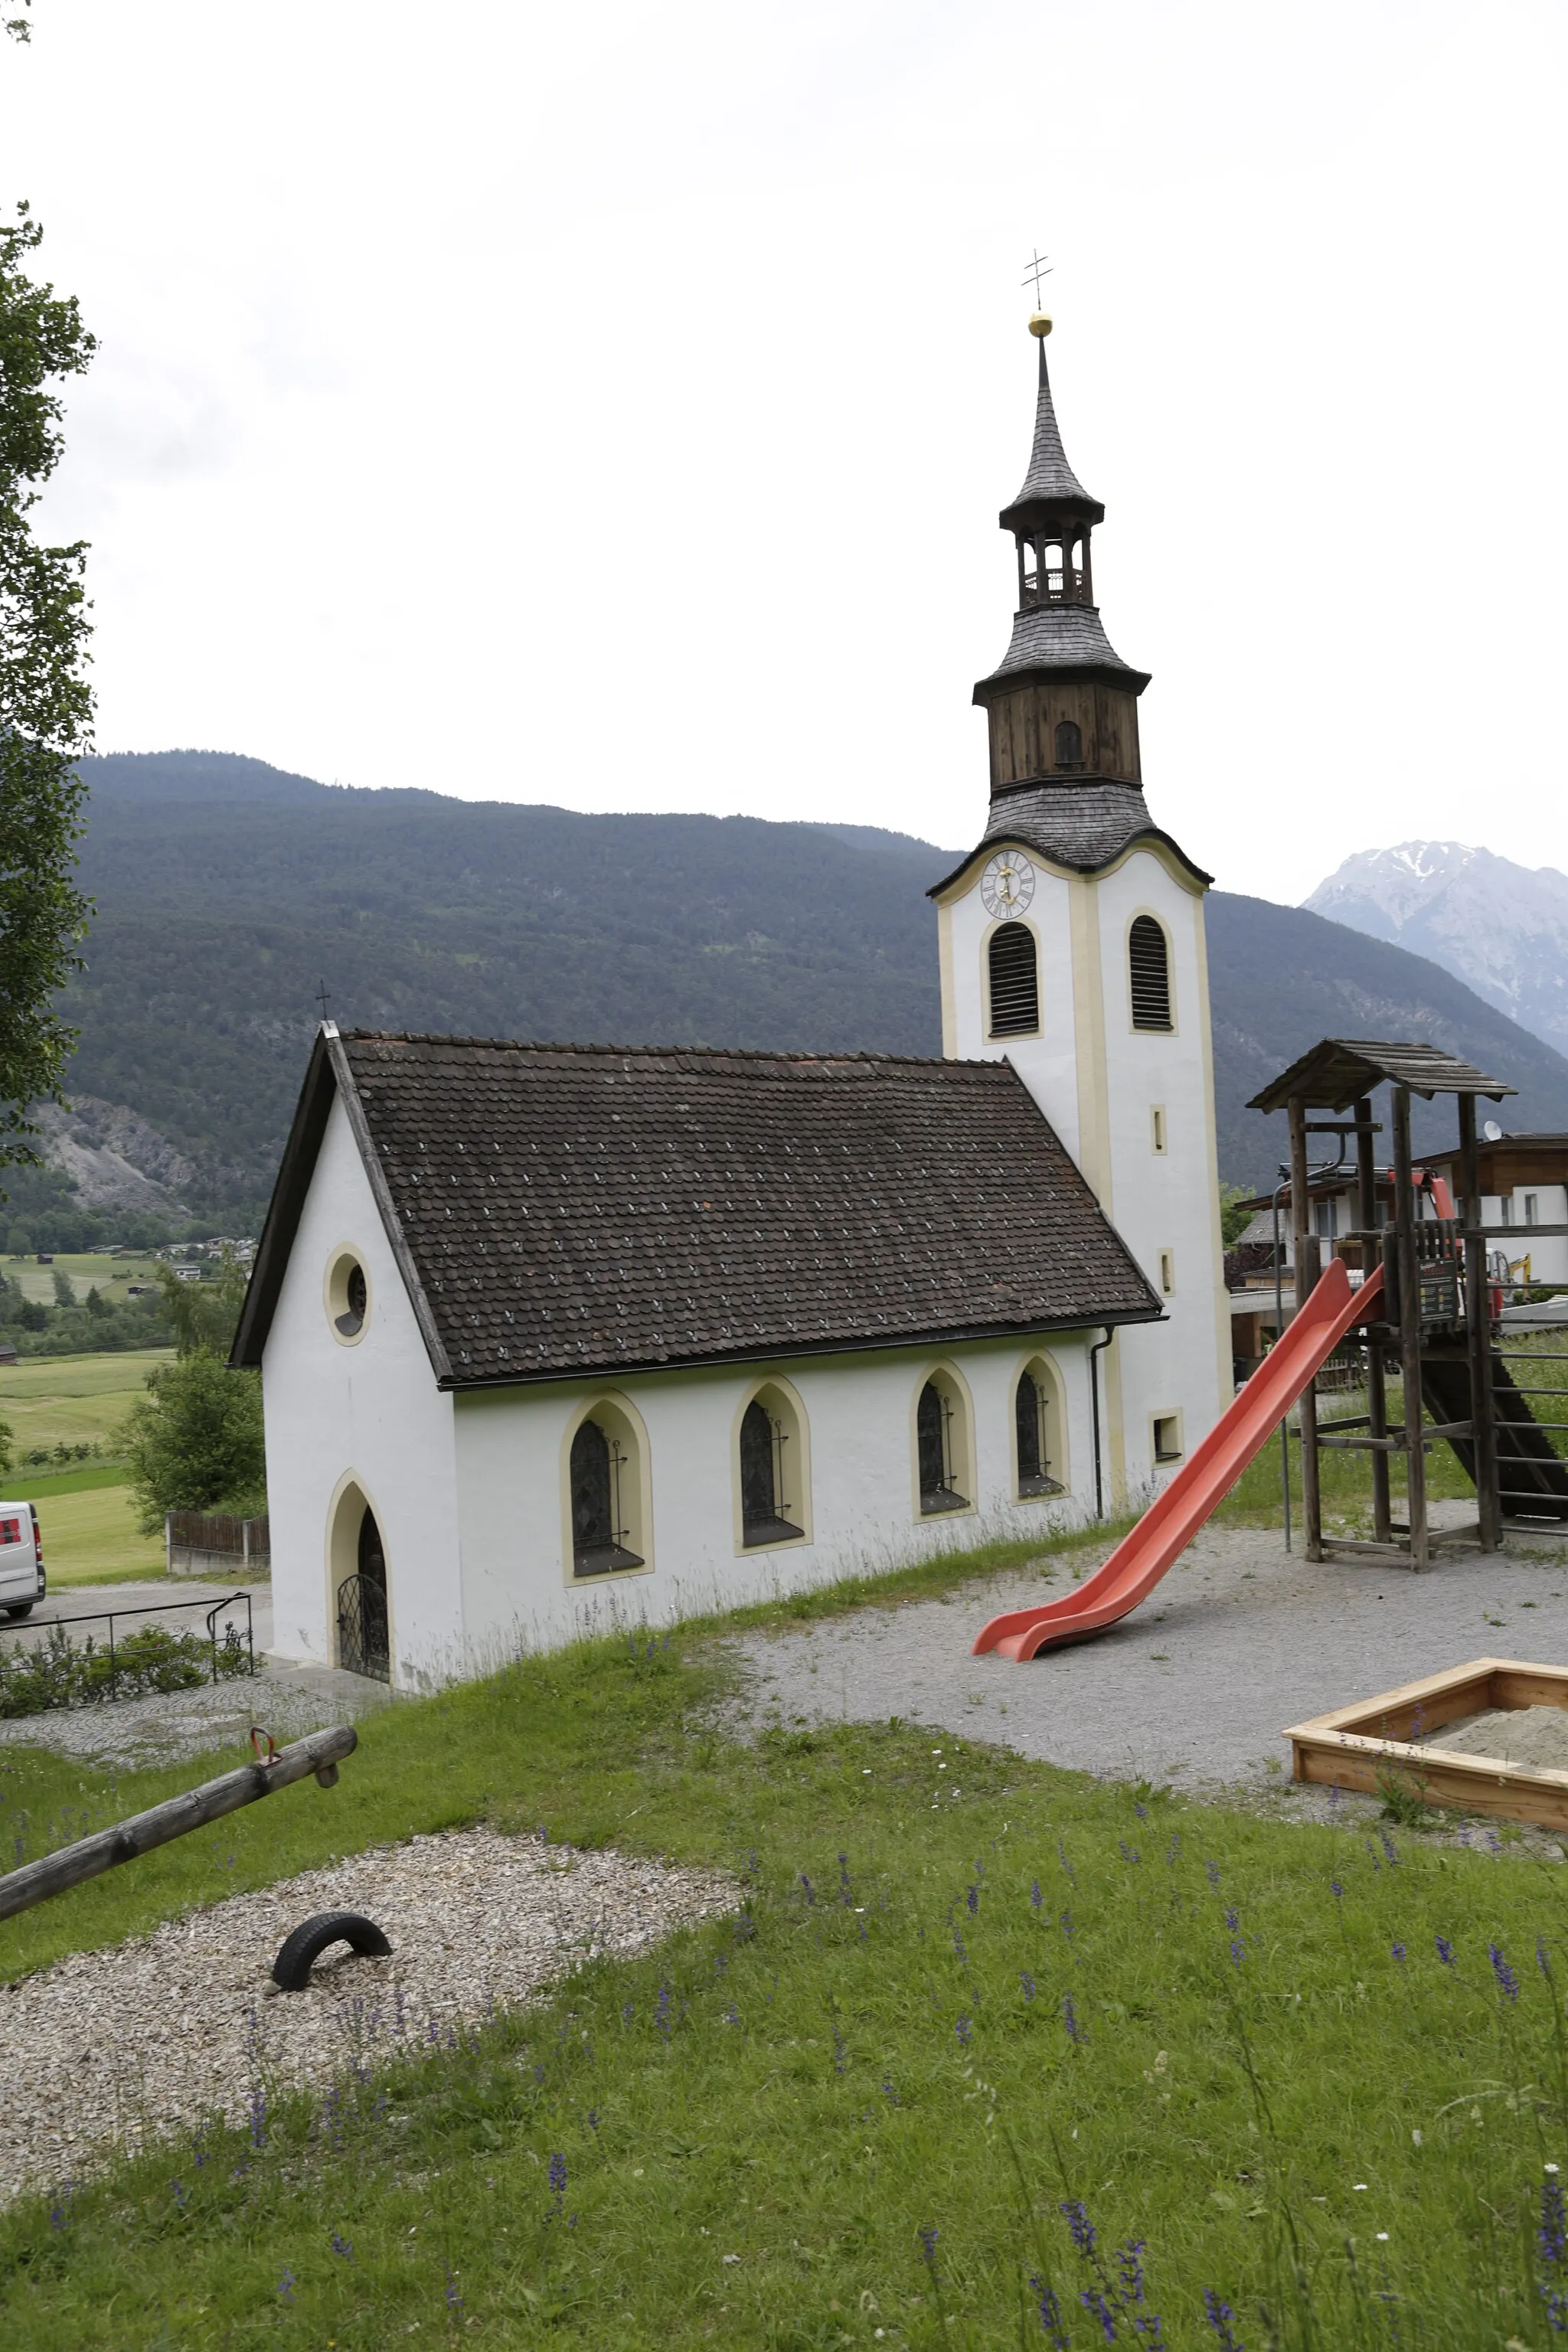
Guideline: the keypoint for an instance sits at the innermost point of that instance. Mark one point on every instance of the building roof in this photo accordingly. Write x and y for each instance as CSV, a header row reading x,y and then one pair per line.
x,y
1341,1070
1061,639
1050,482
563,1210
1081,826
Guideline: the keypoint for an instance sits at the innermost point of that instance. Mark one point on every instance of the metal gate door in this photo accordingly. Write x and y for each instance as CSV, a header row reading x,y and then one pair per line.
x,y
363,1647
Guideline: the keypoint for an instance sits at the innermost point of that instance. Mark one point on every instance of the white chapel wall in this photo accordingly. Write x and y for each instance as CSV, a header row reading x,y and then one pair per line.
x,y
859,1413
372,1411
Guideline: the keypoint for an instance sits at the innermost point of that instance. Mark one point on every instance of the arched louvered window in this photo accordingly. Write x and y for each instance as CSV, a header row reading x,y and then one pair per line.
x,y
1149,968
1069,743
1014,981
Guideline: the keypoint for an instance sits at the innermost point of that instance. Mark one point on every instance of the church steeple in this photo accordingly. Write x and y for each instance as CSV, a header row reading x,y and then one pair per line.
x,y
1062,703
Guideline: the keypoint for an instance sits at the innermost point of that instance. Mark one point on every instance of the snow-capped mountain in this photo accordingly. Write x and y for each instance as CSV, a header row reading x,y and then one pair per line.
x,y
1502,928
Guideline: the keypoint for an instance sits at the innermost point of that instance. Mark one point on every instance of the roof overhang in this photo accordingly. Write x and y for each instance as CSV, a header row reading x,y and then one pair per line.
x,y
1170,854
1339,1071
988,690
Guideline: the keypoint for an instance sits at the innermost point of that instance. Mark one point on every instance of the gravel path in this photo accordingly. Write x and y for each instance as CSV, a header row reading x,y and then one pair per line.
x,y
107,2049
1195,1687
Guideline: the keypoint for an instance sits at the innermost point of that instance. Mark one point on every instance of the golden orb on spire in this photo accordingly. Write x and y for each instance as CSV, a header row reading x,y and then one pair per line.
x,y
1039,324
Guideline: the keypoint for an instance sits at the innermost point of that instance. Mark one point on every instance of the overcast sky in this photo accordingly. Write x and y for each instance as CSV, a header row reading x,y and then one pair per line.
x,y
611,406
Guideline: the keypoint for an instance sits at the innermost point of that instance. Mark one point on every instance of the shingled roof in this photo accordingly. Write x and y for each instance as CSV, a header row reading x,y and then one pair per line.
x,y
1050,485
1083,826
1060,640
563,1210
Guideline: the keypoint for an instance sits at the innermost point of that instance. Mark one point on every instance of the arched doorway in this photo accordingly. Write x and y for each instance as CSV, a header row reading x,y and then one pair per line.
x,y
364,1644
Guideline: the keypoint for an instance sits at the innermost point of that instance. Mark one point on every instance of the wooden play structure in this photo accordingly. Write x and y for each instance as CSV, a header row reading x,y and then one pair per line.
x,y
1434,1324
1413,1294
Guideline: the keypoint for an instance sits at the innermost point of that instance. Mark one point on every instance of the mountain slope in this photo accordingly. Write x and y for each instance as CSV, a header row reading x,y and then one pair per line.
x,y
1501,927
1280,978
227,891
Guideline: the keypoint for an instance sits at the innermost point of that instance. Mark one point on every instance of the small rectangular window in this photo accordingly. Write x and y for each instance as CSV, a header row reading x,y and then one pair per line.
x,y
1157,1126
1167,1271
1529,1208
1506,1206
1167,1437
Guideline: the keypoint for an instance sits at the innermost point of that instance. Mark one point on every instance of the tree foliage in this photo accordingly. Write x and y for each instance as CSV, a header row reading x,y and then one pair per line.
x,y
46,702
195,1443
202,1315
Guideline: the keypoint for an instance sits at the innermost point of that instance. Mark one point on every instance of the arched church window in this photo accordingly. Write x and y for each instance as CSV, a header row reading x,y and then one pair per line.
x,y
941,1447
1035,1416
601,1489
1149,970
769,1466
1014,973
1069,743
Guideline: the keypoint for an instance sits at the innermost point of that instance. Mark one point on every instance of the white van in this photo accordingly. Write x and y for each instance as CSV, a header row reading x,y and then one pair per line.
x,y
21,1558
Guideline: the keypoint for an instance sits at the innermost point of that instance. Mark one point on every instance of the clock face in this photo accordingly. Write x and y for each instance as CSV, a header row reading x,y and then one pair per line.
x,y
1008,883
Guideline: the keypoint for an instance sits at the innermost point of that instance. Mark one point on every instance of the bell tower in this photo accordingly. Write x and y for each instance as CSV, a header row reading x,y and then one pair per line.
x,y
1072,943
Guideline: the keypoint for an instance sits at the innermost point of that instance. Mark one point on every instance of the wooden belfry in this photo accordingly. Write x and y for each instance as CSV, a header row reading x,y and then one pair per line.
x,y
1434,1321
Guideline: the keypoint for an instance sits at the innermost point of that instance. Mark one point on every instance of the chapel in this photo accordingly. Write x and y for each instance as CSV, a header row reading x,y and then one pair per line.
x,y
554,1334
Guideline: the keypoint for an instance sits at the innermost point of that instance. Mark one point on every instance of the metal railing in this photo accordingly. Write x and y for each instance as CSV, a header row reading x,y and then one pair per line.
x,y
213,1611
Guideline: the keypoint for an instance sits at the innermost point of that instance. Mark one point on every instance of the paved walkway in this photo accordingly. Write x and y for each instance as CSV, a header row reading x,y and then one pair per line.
x,y
1195,1688
288,1700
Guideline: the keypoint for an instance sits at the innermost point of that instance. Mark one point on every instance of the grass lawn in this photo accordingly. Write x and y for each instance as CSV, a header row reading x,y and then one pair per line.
x,y
993,2054
93,1538
72,1399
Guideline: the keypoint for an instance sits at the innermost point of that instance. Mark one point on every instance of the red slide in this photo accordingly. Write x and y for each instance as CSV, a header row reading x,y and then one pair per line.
x,y
1179,1510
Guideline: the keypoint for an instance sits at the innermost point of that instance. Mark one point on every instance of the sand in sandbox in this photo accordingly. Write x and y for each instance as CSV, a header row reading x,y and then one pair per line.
x,y
1533,1737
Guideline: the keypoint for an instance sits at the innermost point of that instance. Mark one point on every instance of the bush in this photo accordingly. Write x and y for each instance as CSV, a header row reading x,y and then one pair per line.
x,y
36,1676
195,1443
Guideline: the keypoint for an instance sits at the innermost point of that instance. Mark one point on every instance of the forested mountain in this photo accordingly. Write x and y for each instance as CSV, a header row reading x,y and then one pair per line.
x,y
227,891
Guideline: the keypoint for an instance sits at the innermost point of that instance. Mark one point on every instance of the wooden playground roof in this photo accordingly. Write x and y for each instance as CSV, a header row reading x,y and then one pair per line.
x,y
1341,1070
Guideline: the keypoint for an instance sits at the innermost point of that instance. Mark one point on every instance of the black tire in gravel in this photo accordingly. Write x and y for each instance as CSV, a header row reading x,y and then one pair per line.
x,y
21,1609
301,1950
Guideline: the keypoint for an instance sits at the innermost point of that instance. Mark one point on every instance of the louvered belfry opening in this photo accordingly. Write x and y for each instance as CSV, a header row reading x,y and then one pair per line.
x,y
1149,963
1014,981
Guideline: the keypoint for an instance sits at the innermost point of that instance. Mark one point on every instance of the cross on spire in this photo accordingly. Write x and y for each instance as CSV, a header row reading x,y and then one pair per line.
x,y
1039,267
321,997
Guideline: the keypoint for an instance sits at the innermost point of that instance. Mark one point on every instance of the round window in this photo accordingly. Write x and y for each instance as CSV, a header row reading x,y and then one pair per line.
x,y
348,1297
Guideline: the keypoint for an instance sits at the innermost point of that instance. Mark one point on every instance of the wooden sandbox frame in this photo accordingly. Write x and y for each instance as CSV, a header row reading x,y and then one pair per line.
x,y
1359,1746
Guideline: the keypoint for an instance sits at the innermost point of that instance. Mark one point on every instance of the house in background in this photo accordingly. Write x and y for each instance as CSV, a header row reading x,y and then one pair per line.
x,y
544,1328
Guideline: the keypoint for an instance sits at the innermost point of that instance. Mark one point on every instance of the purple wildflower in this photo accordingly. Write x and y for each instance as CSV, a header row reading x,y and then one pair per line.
x,y
1062,1858
454,2291
1542,1958
1094,2302
257,2116
1506,1980
1027,1982
928,2242
1067,1923
557,2178
59,2211
1036,1899
178,2192
1552,2235
1398,1951
593,2119
1221,2318
1050,2313
961,2030
286,2287
1212,1869
891,2095
1390,1849
1444,1951
342,2246
810,1890
1076,2033
1130,2262
1142,1812
1337,1890
971,1897
661,2017
1129,1853
1081,2228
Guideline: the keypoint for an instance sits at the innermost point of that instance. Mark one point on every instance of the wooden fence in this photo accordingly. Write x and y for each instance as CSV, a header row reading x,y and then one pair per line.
x,y
208,1544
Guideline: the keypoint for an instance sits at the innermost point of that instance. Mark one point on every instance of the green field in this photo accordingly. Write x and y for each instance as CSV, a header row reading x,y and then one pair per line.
x,y
52,1400
112,1275
93,1538
990,2056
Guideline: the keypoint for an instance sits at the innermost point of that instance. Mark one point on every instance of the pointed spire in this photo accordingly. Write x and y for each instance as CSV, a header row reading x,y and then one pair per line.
x,y
1050,487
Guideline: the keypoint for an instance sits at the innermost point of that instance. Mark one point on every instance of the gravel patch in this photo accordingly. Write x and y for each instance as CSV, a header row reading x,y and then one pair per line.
x,y
106,2051
1195,1688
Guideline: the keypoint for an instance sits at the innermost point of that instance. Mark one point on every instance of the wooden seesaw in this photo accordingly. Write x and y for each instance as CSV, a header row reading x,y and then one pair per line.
x,y
319,1754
